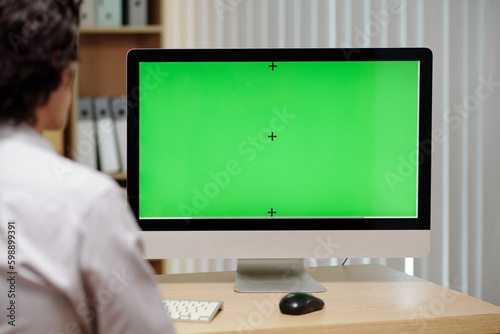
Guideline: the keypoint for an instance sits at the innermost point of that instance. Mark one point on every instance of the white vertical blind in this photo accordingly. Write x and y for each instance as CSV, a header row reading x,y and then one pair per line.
x,y
490,195
463,36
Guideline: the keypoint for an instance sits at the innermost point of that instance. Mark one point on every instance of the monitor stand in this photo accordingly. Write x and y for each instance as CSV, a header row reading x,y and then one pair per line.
x,y
274,275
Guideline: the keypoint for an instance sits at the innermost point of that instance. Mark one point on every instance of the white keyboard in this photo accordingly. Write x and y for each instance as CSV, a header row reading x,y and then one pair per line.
x,y
192,310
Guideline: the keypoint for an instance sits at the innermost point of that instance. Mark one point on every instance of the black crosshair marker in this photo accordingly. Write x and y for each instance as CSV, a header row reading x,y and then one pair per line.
x,y
272,66
271,212
272,136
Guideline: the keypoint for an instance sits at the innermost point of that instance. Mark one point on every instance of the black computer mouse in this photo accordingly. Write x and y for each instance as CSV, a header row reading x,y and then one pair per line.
x,y
297,303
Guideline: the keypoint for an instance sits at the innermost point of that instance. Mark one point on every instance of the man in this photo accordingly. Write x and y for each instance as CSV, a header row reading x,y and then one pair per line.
x,y
70,254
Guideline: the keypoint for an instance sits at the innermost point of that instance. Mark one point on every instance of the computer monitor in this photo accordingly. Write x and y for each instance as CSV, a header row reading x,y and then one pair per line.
x,y
272,155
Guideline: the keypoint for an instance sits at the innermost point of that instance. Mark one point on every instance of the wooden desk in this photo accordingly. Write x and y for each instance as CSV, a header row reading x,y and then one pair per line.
x,y
360,299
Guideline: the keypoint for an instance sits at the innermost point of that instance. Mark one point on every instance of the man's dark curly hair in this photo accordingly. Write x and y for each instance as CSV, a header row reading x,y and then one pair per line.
x,y
38,40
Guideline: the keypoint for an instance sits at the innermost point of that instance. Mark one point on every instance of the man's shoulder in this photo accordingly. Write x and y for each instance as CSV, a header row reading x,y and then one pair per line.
x,y
29,165
54,178
78,182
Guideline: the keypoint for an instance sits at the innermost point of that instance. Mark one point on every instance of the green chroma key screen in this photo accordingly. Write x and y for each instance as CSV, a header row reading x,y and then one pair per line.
x,y
277,139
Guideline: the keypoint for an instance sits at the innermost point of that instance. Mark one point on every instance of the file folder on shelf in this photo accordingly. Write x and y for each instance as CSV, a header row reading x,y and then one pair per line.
x,y
109,13
107,148
85,148
135,12
119,109
88,13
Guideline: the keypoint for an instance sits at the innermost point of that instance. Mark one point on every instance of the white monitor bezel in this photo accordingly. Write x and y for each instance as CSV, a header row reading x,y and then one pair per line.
x,y
371,237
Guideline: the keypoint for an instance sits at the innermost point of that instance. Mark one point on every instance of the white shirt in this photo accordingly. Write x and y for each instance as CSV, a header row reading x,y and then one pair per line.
x,y
78,265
